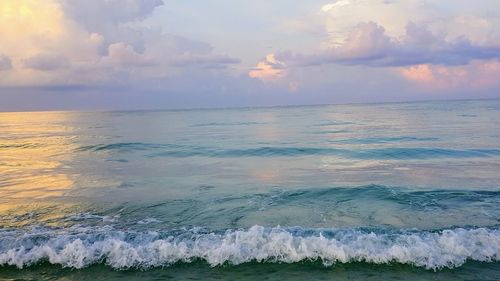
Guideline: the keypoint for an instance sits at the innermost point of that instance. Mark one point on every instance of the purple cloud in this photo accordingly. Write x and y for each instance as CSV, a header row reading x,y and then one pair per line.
x,y
369,45
98,14
46,62
208,61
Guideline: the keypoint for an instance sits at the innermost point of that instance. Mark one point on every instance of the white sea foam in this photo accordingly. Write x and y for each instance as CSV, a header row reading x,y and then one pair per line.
x,y
78,248
149,220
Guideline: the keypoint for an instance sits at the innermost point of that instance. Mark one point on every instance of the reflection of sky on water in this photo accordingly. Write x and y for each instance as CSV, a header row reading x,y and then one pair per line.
x,y
69,159
34,150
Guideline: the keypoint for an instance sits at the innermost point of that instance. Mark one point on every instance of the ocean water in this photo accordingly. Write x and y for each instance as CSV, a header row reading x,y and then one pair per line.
x,y
342,192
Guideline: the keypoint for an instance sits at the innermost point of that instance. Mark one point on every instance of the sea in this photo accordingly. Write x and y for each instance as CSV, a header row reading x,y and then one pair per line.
x,y
395,191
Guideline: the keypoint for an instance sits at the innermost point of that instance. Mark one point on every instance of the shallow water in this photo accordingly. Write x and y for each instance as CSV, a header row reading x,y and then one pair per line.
x,y
365,192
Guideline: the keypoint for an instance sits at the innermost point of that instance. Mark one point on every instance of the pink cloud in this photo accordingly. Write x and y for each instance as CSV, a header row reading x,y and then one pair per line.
x,y
268,69
474,76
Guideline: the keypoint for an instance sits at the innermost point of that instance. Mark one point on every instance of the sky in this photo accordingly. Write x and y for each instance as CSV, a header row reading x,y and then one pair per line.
x,y
161,54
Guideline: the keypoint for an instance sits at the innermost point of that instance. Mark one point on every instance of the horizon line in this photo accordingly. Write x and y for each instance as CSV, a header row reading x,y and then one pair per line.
x,y
249,107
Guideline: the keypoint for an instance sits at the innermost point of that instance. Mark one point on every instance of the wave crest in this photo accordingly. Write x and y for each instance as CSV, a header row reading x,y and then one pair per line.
x,y
82,247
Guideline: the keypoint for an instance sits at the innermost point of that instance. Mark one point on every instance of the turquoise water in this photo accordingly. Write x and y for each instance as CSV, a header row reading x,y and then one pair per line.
x,y
364,192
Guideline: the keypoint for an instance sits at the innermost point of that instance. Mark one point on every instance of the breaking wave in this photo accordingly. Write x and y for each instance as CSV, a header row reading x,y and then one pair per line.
x,y
79,247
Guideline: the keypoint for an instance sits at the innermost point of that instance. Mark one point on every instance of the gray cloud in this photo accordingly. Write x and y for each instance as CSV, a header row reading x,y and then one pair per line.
x,y
5,63
97,14
109,18
210,61
369,45
46,62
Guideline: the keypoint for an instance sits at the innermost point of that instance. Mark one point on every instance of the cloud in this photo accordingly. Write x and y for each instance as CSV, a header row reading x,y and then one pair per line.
x,y
46,62
113,19
382,33
209,61
268,69
476,76
122,54
105,51
97,15
272,71
341,17
437,49
331,6
77,42
5,63
368,44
